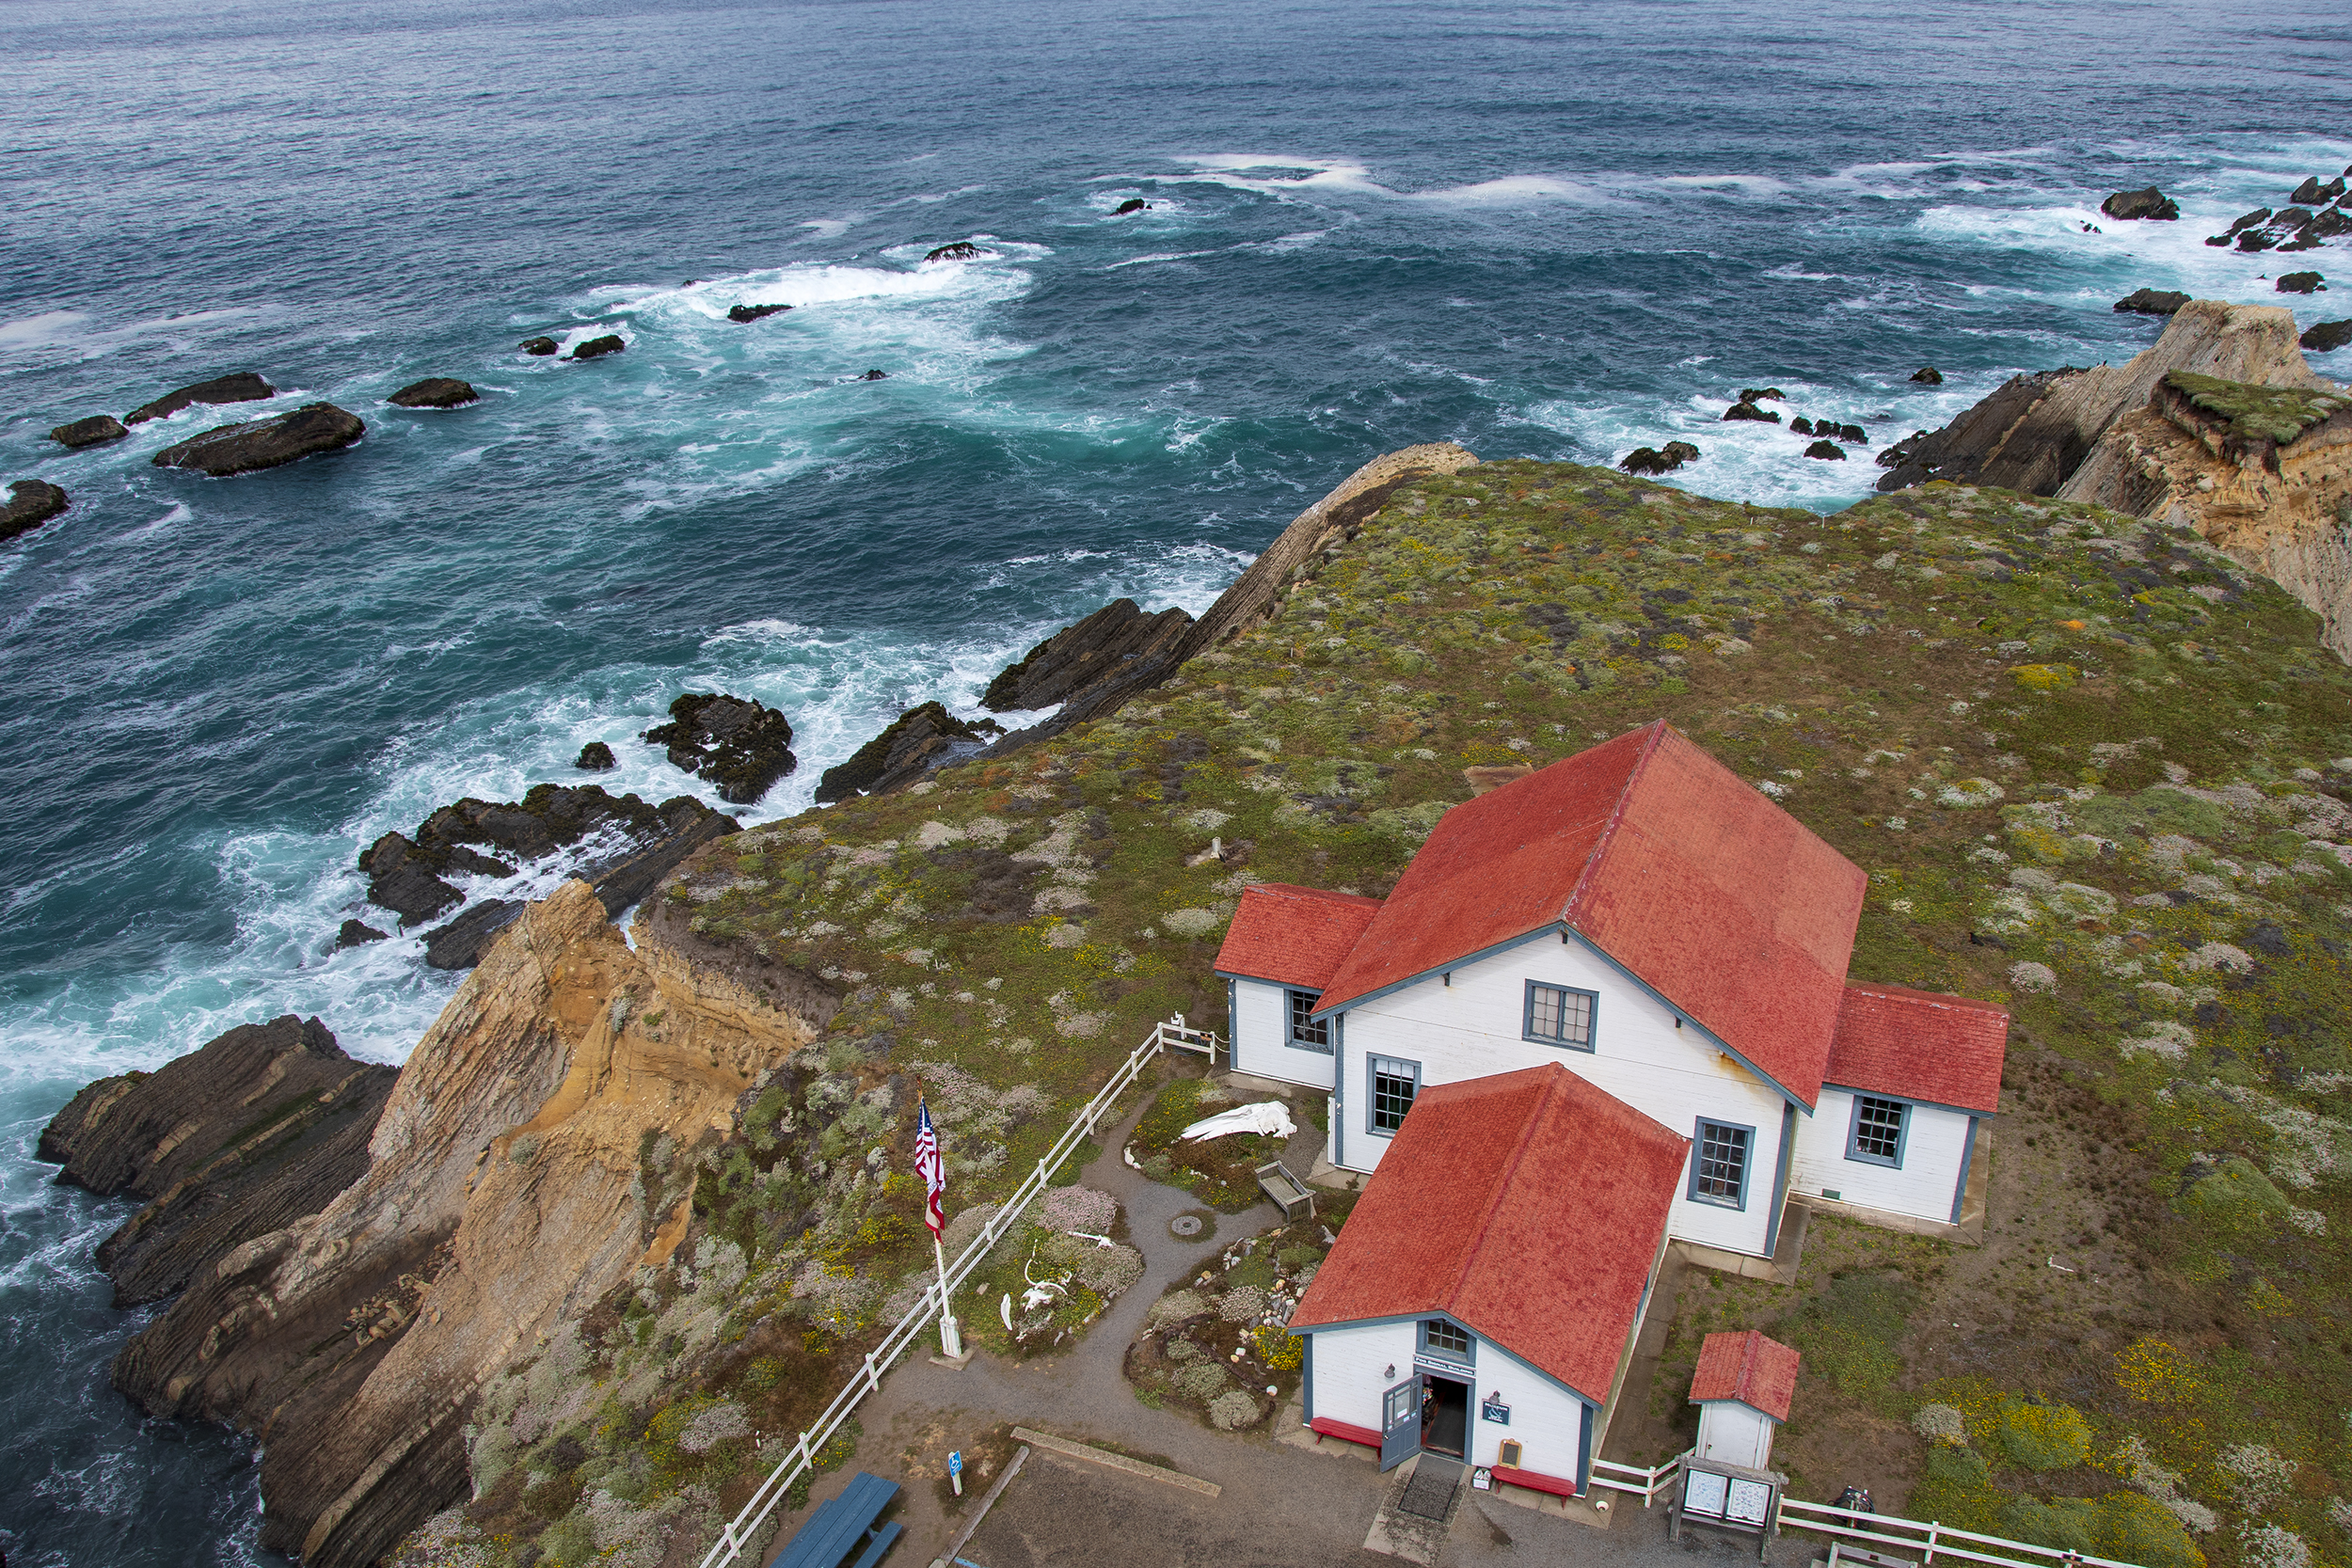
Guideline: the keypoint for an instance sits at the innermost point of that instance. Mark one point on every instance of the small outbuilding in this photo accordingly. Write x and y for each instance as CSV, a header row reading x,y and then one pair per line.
x,y
1742,1387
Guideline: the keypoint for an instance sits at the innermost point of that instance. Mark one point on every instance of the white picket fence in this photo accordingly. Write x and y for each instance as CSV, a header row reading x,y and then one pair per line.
x,y
743,1531
1908,1537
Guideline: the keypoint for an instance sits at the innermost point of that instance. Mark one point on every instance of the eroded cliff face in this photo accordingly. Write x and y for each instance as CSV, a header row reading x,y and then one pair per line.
x,y
501,1198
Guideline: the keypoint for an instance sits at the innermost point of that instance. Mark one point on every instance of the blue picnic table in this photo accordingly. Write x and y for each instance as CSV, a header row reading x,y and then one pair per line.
x,y
841,1527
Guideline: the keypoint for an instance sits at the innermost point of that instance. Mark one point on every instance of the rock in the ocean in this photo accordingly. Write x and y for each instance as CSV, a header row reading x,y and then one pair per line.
x,y
963,250
31,504
539,348
358,933
1801,425
916,741
595,757
2301,283
2329,224
465,941
873,375
1829,450
256,1129
1928,375
244,387
95,431
434,391
241,449
2311,192
2152,302
1661,460
2259,215
754,312
1743,409
1082,654
2257,239
1760,394
2148,203
597,348
2327,337
1133,204
741,746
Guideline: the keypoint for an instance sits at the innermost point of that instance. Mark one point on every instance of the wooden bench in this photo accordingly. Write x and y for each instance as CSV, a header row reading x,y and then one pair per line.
x,y
839,1527
1289,1194
1840,1552
1324,1426
1534,1481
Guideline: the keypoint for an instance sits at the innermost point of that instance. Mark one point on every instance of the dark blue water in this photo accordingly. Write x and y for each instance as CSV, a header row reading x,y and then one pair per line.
x,y
1556,231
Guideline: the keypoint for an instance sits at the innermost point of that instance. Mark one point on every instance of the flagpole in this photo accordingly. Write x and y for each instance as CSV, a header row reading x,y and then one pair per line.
x,y
950,1342
933,1169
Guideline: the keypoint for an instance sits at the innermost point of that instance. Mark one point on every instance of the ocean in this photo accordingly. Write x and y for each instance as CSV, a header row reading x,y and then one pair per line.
x,y
1555,231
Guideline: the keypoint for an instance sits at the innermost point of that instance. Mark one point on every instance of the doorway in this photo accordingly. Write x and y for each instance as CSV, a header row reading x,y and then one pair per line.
x,y
1444,1414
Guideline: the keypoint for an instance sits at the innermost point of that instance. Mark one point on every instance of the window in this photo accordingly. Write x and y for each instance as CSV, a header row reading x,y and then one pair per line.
x,y
1393,1086
1878,1131
1308,1032
1558,1016
1445,1340
1719,1166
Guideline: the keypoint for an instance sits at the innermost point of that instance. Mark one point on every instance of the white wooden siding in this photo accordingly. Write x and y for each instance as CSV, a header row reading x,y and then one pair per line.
x,y
1262,1033
1934,1145
1473,1028
1546,1419
1736,1434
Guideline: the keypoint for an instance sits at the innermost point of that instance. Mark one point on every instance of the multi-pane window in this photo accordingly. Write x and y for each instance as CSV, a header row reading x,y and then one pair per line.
x,y
1308,1032
1878,1131
1560,1016
1444,1340
1393,1086
1719,1167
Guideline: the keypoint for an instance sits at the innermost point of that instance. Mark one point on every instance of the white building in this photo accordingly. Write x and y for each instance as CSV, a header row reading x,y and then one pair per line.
x,y
1744,1386
1641,916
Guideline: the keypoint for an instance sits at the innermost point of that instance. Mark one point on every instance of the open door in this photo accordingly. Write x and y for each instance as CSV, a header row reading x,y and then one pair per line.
x,y
1400,1423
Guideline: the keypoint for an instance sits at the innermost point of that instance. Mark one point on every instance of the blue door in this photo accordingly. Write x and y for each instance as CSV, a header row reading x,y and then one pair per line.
x,y
1400,1423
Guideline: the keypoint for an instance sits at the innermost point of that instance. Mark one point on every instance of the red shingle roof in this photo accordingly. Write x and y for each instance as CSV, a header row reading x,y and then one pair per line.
x,y
1670,863
1920,1045
1758,1372
1293,935
1528,1206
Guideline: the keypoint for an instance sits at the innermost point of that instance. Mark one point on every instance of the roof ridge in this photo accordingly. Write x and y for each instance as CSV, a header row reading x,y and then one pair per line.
x,y
1503,1183
1658,729
1747,1361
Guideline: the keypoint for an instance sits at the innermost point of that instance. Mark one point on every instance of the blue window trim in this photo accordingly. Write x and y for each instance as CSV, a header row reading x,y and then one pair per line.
x,y
1592,1017
1290,1022
1372,1071
1902,1132
1747,1168
1462,1358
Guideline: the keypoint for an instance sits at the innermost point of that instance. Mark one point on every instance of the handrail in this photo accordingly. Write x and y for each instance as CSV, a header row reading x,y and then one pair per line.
x,y
737,1535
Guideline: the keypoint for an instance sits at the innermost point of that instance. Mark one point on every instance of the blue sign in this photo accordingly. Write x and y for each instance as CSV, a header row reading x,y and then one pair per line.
x,y
1493,1409
955,1463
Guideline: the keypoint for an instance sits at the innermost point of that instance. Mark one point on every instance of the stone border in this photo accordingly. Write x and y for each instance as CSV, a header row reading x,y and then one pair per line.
x,y
1116,1460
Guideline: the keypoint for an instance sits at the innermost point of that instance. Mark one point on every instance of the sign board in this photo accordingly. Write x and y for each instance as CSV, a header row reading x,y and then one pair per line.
x,y
1729,1496
1492,1409
955,1463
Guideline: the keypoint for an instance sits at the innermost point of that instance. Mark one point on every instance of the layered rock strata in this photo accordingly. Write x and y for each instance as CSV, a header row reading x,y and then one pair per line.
x,y
918,740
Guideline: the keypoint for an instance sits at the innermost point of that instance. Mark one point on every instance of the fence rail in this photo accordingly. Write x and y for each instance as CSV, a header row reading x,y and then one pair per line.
x,y
1645,1484
739,1534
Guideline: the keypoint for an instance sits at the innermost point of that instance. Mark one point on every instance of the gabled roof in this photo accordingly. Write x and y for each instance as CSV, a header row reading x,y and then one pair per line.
x,y
1920,1045
1669,862
1527,1205
1295,936
1760,1373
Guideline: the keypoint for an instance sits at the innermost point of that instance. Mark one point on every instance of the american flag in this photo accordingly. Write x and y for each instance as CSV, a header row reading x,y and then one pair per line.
x,y
931,1168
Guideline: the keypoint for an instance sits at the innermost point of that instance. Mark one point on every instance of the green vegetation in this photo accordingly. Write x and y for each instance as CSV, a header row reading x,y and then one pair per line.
x,y
2255,413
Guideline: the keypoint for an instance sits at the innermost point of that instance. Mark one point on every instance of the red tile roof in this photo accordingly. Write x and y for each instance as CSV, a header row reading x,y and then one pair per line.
x,y
1295,936
1758,1372
1920,1045
1669,862
1527,1205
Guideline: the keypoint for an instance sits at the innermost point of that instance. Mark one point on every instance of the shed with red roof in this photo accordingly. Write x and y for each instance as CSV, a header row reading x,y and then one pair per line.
x,y
1743,1386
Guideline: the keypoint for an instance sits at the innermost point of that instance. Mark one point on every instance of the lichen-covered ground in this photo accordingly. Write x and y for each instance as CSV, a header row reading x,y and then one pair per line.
x,y
2092,769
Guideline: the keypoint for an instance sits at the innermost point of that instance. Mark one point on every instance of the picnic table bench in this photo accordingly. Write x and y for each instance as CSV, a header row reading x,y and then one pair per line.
x,y
1289,1194
840,1527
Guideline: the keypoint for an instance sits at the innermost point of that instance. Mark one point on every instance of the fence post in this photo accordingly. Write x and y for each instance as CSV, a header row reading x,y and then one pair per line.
x,y
873,1378
1932,1526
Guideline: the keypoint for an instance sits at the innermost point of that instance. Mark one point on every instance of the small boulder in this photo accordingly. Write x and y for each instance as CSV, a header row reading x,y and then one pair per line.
x,y
963,250
2310,191
2301,283
2329,224
2152,302
243,449
872,375
741,746
95,431
2259,215
1662,460
2150,203
1760,394
1801,425
2256,239
358,933
597,348
1827,451
1928,375
595,757
1137,205
753,313
2327,337
1746,410
244,387
31,502
434,391
1843,432
539,348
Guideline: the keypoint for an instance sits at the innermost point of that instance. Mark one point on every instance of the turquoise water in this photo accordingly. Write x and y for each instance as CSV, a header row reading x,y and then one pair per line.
x,y
1558,231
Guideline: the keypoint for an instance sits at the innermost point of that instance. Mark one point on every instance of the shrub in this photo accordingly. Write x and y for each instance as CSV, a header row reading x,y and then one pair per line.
x,y
1070,1209
1957,1489
1232,1410
1202,1380
1940,1423
2043,1437
1278,1350
2257,1475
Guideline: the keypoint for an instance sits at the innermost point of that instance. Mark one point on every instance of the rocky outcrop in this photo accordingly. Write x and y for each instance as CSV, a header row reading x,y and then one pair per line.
x,y
741,746
1133,204
1928,375
1659,460
2152,302
595,757
2325,336
244,387
1083,653
961,250
916,741
1746,409
2311,193
96,431
243,1137
31,502
539,348
2150,203
597,348
465,941
2300,283
358,933
241,449
434,391
1827,451
754,312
